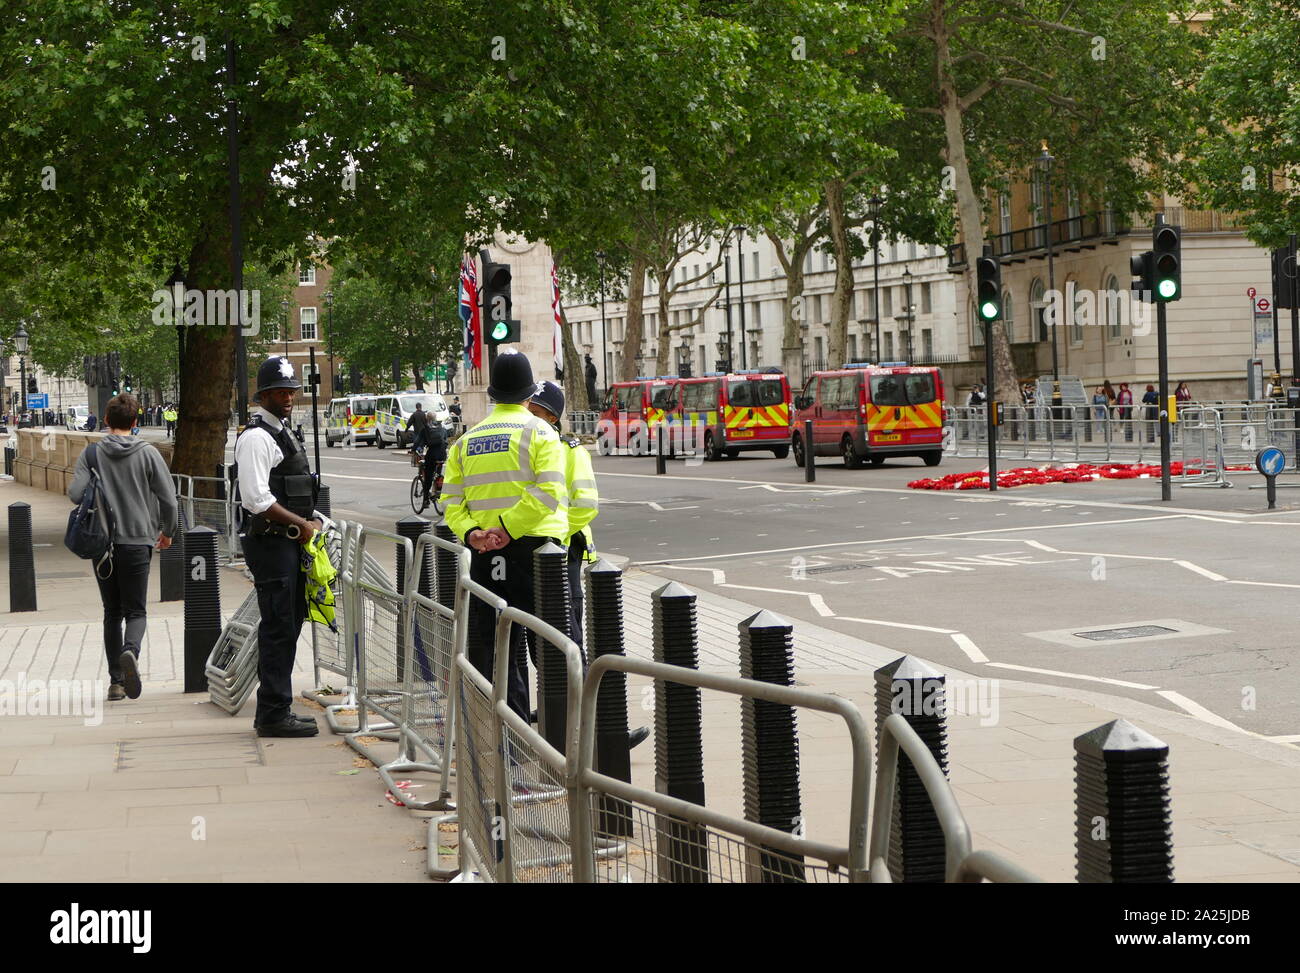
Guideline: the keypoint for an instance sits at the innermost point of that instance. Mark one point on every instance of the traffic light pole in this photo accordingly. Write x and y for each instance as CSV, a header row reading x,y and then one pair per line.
x,y
989,399
1293,283
1162,351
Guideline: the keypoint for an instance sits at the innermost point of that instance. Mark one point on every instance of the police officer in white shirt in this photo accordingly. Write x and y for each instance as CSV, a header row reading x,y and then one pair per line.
x,y
277,493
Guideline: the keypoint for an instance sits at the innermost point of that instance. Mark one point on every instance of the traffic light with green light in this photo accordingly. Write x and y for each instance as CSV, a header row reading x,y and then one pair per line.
x,y
988,277
502,332
1167,263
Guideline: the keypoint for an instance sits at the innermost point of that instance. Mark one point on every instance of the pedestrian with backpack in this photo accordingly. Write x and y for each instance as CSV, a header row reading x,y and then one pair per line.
x,y
135,493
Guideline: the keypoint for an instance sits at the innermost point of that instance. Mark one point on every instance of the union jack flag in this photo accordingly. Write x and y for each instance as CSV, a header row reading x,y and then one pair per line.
x,y
557,340
469,313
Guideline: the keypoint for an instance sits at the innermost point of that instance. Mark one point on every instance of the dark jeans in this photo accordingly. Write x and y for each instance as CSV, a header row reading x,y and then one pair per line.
x,y
124,593
282,599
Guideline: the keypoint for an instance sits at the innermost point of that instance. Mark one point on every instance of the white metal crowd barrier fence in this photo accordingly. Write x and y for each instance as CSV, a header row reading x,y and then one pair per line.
x,y
527,812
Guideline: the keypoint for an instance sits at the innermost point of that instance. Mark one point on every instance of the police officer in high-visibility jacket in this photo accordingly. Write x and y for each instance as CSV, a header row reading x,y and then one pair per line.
x,y
580,486
278,494
504,487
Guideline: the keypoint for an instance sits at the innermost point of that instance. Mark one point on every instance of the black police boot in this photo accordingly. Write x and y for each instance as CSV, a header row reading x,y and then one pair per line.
x,y
287,727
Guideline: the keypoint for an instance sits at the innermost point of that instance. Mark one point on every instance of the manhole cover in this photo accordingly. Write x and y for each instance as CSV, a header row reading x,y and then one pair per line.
x,y
1136,632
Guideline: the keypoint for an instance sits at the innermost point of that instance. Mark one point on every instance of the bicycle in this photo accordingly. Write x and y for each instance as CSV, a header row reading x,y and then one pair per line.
x,y
417,484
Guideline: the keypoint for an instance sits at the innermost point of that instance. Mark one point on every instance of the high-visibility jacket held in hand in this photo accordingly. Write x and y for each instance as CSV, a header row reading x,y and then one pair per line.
x,y
507,471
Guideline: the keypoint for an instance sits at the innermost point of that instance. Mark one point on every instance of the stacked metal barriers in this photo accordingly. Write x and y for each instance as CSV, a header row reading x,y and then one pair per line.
x,y
232,665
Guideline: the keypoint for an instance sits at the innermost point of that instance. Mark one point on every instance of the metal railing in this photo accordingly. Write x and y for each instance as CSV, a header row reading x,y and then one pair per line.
x,y
583,423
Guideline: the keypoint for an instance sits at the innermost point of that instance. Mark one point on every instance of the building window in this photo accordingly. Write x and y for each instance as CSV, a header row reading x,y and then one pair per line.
x,y
755,265
927,344
306,276
925,298
826,260
1038,312
307,323
976,328
817,350
1076,314
887,302
1072,207
911,251
853,348
755,316
889,346
1111,302
1008,321
1004,211
807,262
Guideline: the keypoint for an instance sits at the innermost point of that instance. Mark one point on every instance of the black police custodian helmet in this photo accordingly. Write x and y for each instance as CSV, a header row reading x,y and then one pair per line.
x,y
512,378
551,398
276,373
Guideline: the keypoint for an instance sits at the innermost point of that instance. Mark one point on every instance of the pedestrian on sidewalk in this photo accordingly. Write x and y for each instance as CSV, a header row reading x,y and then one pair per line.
x,y
1151,402
139,490
278,494
1124,402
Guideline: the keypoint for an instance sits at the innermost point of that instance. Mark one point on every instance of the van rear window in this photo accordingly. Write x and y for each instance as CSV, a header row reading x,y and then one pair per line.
x,y
914,389
665,396
760,392
363,407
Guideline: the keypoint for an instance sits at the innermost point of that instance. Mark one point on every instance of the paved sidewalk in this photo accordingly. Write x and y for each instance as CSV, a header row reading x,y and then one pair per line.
x,y
126,800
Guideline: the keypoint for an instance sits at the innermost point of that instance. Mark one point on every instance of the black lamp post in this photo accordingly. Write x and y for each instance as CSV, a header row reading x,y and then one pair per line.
x,y
874,203
1045,161
20,344
724,353
740,277
604,346
910,308
329,324
176,282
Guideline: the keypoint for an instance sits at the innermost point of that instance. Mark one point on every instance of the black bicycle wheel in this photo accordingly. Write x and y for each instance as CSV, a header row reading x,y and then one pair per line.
x,y
417,493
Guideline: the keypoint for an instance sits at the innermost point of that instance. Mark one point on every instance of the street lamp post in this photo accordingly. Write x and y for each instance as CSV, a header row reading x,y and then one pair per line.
x,y
1045,161
740,275
604,338
329,323
875,202
726,283
177,284
20,344
910,308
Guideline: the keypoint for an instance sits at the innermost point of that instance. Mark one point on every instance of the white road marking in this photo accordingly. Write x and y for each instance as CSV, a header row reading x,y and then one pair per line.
x,y
1200,712
380,479
1197,569
972,650
915,628
1071,675
1267,584
648,503
1293,738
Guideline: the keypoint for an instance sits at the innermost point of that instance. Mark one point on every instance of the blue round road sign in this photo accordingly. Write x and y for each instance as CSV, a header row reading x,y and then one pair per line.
x,y
1270,461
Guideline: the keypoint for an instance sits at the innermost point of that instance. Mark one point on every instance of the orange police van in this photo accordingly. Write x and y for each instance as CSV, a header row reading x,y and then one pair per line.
x,y
633,412
867,412
725,414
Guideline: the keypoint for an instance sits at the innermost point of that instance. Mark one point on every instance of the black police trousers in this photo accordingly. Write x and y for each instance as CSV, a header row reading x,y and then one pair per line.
x,y
507,573
276,563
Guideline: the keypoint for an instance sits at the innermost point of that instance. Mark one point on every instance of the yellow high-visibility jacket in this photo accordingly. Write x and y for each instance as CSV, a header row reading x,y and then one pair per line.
x,y
584,501
508,471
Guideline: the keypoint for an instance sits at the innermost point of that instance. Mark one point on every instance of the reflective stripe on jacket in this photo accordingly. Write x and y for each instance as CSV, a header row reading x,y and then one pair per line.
x,y
584,500
508,471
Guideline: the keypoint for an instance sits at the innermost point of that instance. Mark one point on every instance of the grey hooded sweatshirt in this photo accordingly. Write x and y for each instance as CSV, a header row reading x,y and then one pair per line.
x,y
138,485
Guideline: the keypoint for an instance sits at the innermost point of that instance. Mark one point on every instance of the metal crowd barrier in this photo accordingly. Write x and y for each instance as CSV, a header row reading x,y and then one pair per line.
x,y
583,423
232,665
671,838
528,811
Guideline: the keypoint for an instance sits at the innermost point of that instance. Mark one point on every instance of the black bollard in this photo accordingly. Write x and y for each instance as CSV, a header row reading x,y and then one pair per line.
x,y
770,744
660,466
605,637
682,848
551,605
323,500
22,562
202,605
914,689
412,527
809,460
1123,829
171,563
10,452
446,565
221,481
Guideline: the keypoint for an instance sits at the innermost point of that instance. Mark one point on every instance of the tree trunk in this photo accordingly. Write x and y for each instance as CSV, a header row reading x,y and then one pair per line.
x,y
969,211
795,312
575,382
634,324
842,298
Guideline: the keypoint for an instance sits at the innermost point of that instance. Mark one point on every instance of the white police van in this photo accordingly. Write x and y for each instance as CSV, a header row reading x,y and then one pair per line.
x,y
393,411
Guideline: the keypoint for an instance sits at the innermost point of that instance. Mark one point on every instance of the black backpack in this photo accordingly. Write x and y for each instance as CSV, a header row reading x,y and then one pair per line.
x,y
90,525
